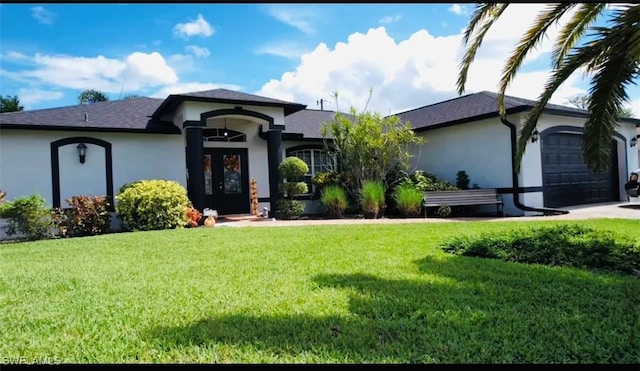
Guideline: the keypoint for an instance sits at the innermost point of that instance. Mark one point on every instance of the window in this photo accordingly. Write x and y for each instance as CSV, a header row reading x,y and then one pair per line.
x,y
317,159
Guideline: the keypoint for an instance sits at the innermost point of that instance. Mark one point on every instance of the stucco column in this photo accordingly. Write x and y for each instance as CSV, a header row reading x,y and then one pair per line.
x,y
274,148
195,153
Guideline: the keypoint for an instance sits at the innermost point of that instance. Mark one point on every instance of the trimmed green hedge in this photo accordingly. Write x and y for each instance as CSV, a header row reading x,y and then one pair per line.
x,y
564,245
153,204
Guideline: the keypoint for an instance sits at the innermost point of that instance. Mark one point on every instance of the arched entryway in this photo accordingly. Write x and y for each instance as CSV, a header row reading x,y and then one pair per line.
x,y
218,177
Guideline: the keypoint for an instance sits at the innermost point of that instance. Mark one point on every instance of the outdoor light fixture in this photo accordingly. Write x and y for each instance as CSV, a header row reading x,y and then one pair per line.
x,y
535,136
225,132
633,141
82,152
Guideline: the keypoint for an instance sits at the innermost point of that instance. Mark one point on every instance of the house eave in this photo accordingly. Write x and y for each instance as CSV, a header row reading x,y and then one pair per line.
x,y
87,129
175,100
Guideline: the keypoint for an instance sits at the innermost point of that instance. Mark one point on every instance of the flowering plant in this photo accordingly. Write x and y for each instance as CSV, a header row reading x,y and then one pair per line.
x,y
194,216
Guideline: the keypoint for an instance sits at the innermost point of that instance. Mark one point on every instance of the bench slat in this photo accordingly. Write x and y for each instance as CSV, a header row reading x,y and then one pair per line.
x,y
485,196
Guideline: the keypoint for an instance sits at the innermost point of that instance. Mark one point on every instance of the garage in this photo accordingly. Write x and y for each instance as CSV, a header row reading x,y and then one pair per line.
x,y
566,178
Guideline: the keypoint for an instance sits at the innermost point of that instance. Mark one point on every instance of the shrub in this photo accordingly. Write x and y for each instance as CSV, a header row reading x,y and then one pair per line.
x,y
289,209
408,199
372,197
565,245
462,180
153,204
324,179
194,216
444,211
429,182
85,216
292,169
29,216
127,185
334,199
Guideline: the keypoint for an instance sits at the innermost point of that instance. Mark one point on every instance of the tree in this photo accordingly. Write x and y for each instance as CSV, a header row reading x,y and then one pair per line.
x,y
131,96
582,102
368,147
91,96
609,55
10,104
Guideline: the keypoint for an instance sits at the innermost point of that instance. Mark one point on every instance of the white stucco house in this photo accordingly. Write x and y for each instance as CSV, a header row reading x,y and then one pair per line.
x,y
466,133
188,138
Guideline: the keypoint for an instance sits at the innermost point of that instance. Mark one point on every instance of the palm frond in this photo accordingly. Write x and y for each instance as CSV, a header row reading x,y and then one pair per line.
x,y
608,87
528,42
484,16
573,61
613,55
574,29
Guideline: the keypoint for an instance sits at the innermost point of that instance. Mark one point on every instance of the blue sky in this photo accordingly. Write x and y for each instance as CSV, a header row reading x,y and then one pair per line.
x,y
407,53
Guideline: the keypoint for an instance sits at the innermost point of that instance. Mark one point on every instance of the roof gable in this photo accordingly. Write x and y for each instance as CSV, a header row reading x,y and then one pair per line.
x,y
226,96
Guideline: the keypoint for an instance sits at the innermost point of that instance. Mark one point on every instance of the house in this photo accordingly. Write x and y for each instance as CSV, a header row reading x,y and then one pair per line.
x,y
466,133
214,142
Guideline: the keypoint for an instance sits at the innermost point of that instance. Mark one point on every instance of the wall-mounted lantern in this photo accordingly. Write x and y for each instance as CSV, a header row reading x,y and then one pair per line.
x,y
633,141
82,152
535,136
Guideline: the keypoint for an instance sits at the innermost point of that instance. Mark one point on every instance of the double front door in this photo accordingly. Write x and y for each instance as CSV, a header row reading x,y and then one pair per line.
x,y
226,180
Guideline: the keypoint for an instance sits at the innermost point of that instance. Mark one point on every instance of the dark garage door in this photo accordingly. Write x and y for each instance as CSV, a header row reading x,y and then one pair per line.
x,y
566,178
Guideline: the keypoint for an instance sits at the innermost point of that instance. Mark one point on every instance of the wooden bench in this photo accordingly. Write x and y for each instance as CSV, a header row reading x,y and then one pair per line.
x,y
483,196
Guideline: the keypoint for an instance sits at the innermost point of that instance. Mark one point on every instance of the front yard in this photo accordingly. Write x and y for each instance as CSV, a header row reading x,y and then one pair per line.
x,y
316,294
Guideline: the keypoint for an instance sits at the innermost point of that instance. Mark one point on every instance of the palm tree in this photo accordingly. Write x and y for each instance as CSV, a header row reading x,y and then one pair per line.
x,y
609,55
92,96
10,104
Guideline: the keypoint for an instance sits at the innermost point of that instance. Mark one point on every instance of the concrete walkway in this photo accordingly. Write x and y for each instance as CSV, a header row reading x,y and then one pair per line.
x,y
623,210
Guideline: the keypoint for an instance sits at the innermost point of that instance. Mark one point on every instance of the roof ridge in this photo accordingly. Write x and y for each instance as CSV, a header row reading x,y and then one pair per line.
x,y
81,105
440,102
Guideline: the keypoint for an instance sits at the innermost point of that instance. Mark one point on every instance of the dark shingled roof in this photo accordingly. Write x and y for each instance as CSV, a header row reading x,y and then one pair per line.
x,y
120,115
474,107
307,123
133,115
227,96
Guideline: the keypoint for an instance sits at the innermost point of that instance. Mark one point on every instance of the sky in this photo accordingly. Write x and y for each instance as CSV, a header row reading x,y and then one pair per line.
x,y
382,57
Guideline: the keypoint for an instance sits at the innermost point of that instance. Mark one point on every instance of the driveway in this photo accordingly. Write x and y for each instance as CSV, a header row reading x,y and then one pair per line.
x,y
623,210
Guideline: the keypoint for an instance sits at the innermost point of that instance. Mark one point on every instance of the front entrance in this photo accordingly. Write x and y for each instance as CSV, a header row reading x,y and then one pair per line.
x,y
226,180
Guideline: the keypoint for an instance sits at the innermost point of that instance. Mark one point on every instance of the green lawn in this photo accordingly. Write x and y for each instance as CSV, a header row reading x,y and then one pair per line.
x,y
319,294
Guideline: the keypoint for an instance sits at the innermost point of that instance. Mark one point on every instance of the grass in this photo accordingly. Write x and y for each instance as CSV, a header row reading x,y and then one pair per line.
x,y
317,294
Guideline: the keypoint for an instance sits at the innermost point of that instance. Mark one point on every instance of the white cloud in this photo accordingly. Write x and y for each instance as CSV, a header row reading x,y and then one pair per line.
x,y
42,15
458,9
286,49
296,16
390,19
190,87
414,72
30,97
147,70
13,55
198,27
198,51
138,70
634,105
